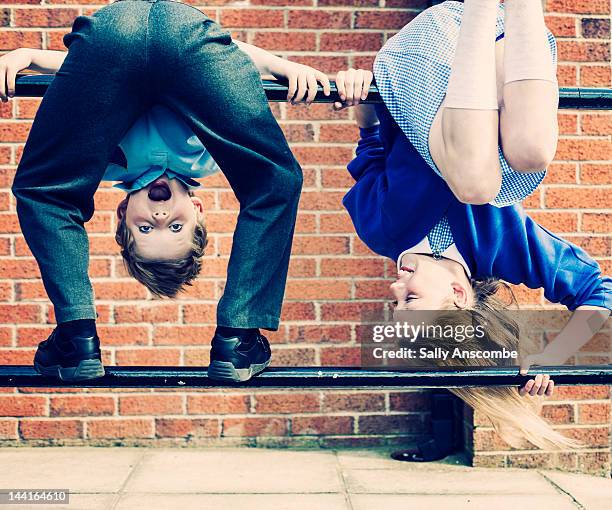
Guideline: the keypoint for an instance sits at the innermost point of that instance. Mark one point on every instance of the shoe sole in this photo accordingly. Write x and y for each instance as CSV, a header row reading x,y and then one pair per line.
x,y
226,371
86,369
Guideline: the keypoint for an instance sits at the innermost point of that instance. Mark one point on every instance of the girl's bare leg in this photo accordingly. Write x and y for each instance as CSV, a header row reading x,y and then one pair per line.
x,y
528,117
464,136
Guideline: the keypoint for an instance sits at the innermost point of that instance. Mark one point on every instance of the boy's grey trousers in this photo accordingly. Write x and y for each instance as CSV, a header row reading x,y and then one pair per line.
x,y
121,60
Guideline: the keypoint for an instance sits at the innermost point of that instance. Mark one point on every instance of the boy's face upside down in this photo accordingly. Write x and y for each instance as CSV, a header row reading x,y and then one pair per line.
x,y
161,218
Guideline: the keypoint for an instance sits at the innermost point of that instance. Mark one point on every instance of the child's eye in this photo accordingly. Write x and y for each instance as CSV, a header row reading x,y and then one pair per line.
x,y
145,229
176,227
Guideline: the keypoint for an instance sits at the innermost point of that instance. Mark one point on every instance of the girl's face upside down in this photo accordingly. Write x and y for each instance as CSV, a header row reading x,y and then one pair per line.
x,y
424,283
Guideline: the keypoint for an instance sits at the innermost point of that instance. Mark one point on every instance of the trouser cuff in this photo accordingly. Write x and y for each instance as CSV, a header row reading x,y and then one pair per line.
x,y
269,322
74,313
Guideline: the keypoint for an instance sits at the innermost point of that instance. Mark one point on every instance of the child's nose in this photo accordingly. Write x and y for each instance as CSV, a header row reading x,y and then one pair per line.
x,y
160,214
399,290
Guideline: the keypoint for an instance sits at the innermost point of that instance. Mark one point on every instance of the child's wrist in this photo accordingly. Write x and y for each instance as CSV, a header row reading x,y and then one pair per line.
x,y
369,128
276,66
266,63
30,52
365,116
44,61
557,353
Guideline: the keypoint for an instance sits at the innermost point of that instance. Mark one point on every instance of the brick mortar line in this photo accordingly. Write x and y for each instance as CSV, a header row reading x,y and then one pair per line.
x,y
162,347
333,212
232,415
203,441
239,392
359,30
220,418
490,453
290,8
560,426
528,306
555,210
573,136
330,122
253,30
206,392
295,323
238,7
305,256
334,189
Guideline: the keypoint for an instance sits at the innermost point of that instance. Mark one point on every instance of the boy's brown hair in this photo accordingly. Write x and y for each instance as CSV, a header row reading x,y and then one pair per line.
x,y
162,277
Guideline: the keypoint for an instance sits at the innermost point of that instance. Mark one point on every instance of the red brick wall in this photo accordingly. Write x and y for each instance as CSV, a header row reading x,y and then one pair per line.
x,y
333,277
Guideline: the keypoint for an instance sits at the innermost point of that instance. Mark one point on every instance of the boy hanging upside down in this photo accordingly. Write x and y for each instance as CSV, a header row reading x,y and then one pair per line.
x,y
139,80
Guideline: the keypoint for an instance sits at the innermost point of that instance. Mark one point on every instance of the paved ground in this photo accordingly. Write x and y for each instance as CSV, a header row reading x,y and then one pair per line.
x,y
188,478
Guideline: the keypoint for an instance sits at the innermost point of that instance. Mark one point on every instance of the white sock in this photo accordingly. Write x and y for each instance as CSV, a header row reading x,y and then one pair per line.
x,y
527,53
473,82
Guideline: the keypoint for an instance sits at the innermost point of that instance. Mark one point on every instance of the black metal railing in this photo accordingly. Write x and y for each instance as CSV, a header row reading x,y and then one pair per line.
x,y
35,85
313,377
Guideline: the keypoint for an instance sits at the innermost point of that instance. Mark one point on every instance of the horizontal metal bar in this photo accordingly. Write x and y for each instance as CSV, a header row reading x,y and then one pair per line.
x,y
35,85
312,377
276,91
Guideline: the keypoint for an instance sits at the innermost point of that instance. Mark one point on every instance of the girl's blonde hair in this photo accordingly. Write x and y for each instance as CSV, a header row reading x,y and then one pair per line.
x,y
514,417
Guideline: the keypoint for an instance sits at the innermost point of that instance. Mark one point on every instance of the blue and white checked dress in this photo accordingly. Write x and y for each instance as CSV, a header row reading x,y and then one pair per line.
x,y
412,72
438,242
440,237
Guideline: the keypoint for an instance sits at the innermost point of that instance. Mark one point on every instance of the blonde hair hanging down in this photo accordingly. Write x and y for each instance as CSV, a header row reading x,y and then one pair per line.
x,y
514,417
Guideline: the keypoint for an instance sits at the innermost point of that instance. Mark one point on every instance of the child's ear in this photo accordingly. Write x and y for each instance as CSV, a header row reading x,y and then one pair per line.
x,y
198,204
461,295
121,208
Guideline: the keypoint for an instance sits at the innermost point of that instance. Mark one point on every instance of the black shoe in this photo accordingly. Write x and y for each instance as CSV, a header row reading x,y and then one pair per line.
x,y
238,359
69,357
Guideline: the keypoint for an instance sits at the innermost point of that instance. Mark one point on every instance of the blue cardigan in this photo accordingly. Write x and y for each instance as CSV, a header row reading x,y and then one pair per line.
x,y
397,198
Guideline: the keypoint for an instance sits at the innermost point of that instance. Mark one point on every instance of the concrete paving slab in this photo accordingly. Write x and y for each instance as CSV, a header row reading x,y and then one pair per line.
x,y
236,471
457,502
228,501
78,469
592,492
77,502
447,481
286,479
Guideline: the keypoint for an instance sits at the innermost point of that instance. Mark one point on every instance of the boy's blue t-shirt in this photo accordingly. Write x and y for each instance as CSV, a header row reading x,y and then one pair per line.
x,y
160,142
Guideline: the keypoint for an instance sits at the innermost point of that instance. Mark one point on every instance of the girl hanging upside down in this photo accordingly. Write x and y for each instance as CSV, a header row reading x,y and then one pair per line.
x,y
476,93
467,128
